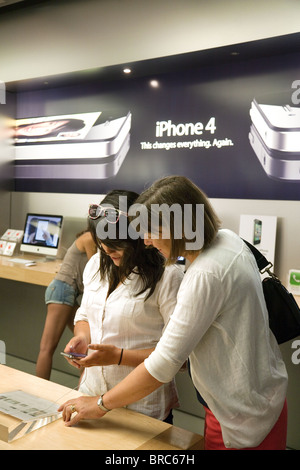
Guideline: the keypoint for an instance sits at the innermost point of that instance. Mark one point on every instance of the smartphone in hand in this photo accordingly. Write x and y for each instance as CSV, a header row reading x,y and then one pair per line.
x,y
73,355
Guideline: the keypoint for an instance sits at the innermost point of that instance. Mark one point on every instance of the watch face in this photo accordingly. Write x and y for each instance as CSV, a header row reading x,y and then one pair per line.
x,y
101,406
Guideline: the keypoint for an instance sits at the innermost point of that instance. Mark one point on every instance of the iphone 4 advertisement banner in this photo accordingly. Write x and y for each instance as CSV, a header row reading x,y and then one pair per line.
x,y
234,130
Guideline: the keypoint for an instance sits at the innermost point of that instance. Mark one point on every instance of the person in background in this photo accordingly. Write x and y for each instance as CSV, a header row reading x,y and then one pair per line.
x,y
221,323
128,298
62,298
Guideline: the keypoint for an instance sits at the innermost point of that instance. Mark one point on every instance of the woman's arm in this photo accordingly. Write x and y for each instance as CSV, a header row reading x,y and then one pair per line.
x,y
80,341
82,329
108,354
138,384
86,243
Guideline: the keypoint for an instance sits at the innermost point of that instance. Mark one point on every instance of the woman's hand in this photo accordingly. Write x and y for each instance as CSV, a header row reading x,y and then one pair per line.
x,y
102,355
80,408
108,354
78,344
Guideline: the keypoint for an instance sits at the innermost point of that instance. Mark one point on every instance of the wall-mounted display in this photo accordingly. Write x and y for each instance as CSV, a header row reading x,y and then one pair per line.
x,y
195,122
260,231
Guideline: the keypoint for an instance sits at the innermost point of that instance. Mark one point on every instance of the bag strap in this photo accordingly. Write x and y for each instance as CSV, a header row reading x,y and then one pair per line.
x,y
263,264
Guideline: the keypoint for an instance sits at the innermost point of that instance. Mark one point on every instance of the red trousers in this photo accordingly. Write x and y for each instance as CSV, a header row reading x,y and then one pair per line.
x,y
275,440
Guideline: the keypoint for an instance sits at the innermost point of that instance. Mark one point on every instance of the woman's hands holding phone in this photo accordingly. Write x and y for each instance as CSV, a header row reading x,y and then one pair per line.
x,y
100,355
75,350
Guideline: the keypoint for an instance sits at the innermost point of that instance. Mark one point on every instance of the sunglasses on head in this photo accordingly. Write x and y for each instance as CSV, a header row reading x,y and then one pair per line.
x,y
111,214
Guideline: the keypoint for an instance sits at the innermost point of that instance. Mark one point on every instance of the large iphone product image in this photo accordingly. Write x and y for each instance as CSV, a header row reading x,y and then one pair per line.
x,y
277,165
275,138
77,168
278,126
90,145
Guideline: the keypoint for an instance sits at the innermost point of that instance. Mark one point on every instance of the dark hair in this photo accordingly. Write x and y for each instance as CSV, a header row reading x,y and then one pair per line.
x,y
180,190
137,258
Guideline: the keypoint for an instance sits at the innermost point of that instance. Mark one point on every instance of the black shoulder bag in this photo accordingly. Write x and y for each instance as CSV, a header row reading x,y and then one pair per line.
x,y
284,312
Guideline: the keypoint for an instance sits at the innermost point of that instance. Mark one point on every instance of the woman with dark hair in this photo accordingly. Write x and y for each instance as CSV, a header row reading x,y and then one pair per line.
x,y
221,323
128,298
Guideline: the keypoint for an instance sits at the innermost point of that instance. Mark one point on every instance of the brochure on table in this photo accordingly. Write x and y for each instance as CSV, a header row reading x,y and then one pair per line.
x,y
31,413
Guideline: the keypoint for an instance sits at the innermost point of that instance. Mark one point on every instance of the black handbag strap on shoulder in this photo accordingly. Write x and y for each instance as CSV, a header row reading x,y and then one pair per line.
x,y
263,264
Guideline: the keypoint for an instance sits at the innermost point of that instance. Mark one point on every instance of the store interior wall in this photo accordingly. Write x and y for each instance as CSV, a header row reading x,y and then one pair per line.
x,y
188,26
74,209
72,35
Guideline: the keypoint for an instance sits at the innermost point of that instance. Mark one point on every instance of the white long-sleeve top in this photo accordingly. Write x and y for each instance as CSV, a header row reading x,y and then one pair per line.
x,y
221,322
130,322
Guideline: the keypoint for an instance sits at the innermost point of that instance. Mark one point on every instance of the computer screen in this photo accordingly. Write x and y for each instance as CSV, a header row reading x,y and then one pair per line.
x,y
42,234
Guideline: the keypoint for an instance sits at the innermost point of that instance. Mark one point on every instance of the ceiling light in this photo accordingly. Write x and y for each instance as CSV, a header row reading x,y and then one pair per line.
x,y
127,70
154,83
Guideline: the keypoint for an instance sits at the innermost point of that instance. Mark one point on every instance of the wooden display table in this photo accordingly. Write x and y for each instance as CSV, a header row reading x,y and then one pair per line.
x,y
41,274
120,429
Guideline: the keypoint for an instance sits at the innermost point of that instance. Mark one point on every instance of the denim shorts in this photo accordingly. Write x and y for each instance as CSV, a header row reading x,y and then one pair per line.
x,y
59,292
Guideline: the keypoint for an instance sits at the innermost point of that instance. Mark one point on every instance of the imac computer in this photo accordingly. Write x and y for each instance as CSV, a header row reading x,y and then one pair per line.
x,y
42,234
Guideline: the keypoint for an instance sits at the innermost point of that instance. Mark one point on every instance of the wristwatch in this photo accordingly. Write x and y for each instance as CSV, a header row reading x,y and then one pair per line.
x,y
101,406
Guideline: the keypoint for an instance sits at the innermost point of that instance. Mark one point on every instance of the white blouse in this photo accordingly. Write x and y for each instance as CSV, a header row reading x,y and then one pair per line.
x,y
130,322
221,322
